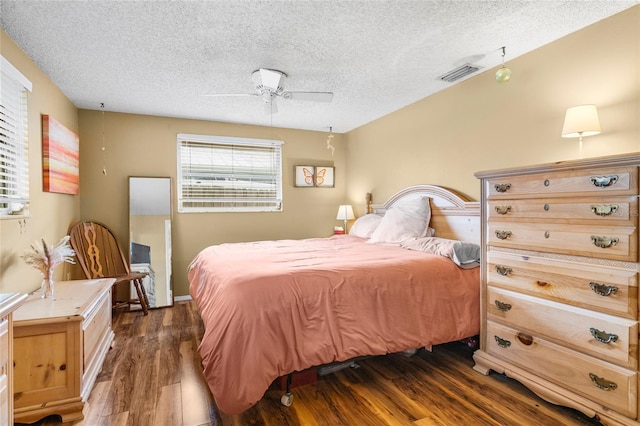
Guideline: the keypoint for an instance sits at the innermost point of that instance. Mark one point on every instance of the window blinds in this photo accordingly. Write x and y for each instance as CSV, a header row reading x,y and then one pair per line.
x,y
229,174
14,166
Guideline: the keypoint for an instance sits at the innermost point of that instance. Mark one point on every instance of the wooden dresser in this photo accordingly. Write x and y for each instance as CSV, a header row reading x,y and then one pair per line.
x,y
59,348
560,282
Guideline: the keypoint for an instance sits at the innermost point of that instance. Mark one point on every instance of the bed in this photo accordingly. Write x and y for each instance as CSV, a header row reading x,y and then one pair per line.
x,y
271,308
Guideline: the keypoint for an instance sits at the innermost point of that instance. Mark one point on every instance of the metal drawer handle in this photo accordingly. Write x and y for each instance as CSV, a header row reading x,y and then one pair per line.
x,y
502,187
603,289
503,235
502,342
503,270
503,209
502,307
604,209
604,242
603,336
603,181
602,383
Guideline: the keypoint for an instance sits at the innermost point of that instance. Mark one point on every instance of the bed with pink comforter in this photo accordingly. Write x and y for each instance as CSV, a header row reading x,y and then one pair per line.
x,y
274,307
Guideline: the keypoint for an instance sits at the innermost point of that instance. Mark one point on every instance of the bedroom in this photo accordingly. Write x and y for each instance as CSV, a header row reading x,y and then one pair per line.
x,y
495,126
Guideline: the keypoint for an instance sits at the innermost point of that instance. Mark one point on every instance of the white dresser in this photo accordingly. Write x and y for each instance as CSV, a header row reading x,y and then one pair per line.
x,y
560,282
9,302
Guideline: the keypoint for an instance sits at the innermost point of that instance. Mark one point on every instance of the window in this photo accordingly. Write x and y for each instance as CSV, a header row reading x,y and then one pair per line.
x,y
223,174
14,164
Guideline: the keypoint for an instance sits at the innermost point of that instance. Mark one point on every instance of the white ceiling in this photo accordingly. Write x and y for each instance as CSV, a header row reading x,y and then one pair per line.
x,y
376,56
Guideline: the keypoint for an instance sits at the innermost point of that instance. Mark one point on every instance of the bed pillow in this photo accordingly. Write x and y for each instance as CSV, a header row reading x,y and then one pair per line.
x,y
404,221
364,226
465,255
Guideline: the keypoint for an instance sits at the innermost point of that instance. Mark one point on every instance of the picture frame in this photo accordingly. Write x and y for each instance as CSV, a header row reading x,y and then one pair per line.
x,y
60,157
305,176
324,177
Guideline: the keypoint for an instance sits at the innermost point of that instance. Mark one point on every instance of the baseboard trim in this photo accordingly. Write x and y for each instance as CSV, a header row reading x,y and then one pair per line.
x,y
182,298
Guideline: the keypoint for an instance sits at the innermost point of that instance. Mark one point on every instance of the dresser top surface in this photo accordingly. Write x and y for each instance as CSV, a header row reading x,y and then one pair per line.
x,y
631,159
73,299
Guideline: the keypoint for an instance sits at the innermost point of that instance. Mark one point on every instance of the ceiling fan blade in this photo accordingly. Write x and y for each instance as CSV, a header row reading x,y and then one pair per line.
x,y
309,96
270,78
231,94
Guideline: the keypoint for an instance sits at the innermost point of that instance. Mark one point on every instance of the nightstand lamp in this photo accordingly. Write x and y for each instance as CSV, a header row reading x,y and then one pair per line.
x,y
345,213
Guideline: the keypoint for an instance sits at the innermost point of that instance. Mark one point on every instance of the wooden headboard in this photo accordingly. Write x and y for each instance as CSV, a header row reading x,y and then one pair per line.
x,y
452,216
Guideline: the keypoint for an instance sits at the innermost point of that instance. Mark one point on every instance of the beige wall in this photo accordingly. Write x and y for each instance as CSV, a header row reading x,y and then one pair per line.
x,y
50,214
482,125
443,139
139,145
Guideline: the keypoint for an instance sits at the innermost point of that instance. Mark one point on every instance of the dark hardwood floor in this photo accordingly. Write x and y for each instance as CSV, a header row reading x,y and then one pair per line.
x,y
152,376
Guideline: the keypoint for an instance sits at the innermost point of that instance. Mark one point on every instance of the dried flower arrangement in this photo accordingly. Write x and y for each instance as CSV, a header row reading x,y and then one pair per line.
x,y
44,258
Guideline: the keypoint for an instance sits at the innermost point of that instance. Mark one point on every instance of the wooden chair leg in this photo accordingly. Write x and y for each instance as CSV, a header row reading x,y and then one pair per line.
x,y
142,296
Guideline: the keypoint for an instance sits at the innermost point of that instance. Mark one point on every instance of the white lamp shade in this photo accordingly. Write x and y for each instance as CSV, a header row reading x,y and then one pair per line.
x,y
345,212
581,121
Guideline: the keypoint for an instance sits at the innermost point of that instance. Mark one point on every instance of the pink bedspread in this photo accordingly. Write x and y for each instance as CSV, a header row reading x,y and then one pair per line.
x,y
273,307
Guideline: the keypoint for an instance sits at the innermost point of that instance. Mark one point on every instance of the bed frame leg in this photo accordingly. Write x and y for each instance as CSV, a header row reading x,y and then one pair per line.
x,y
287,398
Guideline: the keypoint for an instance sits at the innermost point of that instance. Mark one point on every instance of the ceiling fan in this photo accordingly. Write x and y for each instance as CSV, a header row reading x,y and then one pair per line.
x,y
269,85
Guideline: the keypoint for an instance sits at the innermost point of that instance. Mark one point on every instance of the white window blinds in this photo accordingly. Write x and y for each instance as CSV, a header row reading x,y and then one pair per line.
x,y
229,174
14,165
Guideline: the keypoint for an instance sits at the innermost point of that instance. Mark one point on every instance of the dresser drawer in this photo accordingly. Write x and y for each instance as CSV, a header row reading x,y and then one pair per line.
x,y
592,286
610,181
593,210
606,242
603,336
607,384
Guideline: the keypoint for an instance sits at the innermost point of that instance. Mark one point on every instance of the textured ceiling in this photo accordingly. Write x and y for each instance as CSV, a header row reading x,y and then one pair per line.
x,y
376,56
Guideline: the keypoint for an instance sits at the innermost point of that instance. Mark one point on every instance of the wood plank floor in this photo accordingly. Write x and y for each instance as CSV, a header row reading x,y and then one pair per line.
x,y
152,376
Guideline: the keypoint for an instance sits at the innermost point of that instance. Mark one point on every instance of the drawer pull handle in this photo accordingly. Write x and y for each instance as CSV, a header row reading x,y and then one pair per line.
x,y
603,181
604,242
503,209
502,187
603,289
604,209
602,383
603,336
502,342
525,339
502,307
503,235
542,283
503,270
546,182
546,207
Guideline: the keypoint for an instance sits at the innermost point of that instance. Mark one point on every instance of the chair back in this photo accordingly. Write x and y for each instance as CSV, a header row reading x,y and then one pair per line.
x,y
97,250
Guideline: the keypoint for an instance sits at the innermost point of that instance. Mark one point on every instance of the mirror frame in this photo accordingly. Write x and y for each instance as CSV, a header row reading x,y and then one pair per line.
x,y
168,237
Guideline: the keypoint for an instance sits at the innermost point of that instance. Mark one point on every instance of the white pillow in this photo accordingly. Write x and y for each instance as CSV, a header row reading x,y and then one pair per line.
x,y
364,226
404,221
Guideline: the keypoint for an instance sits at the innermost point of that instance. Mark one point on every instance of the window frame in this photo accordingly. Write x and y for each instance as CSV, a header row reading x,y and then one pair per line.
x,y
14,192
272,204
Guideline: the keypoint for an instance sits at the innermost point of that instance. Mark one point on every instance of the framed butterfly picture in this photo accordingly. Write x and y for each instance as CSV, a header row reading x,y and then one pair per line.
x,y
324,177
305,176
318,176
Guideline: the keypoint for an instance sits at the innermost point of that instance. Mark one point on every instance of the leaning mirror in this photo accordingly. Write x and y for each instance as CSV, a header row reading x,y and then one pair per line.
x,y
150,236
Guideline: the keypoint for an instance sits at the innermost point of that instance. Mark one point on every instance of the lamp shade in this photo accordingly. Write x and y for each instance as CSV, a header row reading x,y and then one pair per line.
x,y
345,212
581,121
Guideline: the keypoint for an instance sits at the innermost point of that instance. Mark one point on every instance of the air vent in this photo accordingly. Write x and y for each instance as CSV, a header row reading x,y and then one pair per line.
x,y
458,73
